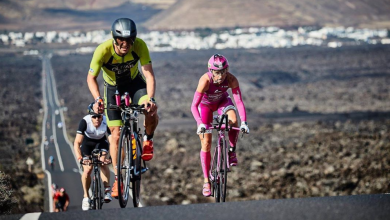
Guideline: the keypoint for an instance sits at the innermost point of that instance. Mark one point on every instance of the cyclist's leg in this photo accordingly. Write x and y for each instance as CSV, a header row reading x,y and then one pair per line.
x,y
104,171
86,149
206,113
139,95
114,122
58,207
228,108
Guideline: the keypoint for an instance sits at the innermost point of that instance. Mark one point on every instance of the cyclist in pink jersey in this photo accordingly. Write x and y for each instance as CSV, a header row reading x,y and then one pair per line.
x,y
210,96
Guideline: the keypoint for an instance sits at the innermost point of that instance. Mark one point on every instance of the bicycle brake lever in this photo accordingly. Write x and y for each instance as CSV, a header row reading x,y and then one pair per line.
x,y
242,133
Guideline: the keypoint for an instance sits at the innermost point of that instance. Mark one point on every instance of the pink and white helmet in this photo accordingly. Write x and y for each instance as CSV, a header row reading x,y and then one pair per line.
x,y
218,62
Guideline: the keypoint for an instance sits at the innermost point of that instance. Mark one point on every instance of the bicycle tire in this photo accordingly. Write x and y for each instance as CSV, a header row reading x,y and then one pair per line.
x,y
216,187
136,174
98,192
93,202
123,170
223,171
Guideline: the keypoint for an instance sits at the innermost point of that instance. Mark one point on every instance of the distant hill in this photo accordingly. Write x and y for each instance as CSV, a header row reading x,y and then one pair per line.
x,y
45,15
190,14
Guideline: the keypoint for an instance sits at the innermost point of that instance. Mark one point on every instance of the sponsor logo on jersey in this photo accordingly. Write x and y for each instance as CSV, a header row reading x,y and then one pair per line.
x,y
216,91
91,70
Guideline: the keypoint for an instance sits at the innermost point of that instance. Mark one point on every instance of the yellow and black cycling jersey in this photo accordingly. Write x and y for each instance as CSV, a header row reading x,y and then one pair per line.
x,y
119,69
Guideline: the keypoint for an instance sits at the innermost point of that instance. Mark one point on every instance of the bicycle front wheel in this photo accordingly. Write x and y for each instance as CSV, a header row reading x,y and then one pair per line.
x,y
215,176
137,170
123,166
98,198
223,171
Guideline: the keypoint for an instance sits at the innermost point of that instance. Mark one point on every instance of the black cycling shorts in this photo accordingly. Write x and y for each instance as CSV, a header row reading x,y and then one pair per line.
x,y
88,146
137,91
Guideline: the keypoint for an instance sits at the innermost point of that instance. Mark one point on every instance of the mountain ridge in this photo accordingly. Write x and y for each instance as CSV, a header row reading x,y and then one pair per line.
x,y
76,15
188,14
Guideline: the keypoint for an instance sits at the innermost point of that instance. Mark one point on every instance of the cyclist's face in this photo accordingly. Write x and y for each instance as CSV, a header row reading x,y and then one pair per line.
x,y
123,45
219,75
97,120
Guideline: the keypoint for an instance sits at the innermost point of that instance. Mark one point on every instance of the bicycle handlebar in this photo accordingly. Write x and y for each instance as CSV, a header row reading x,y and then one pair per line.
x,y
96,153
222,123
131,106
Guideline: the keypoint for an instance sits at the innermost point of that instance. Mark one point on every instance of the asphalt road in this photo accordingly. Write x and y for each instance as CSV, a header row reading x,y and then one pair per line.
x,y
358,207
66,172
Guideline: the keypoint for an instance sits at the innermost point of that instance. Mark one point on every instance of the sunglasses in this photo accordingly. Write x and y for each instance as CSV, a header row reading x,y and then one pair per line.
x,y
219,72
96,116
120,40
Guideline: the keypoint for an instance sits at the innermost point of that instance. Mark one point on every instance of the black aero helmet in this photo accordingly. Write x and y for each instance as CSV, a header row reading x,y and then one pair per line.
x,y
124,27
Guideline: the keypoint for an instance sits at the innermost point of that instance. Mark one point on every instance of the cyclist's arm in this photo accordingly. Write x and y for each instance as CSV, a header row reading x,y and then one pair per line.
x,y
199,93
79,138
93,86
108,134
77,143
94,70
234,85
146,65
147,70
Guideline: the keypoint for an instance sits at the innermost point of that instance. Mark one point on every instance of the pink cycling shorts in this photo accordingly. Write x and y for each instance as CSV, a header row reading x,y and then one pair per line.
x,y
206,110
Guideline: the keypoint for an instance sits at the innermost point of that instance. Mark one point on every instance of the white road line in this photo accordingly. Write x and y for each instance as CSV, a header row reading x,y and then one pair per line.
x,y
61,113
45,79
49,181
50,86
44,121
31,216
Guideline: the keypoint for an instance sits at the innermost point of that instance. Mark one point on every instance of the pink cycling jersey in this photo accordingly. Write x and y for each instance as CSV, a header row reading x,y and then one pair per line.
x,y
215,93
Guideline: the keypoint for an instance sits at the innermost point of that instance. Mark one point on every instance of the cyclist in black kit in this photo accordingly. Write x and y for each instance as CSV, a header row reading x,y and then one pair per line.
x,y
91,134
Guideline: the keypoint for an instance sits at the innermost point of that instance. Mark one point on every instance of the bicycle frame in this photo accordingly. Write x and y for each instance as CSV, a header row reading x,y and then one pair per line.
x,y
129,114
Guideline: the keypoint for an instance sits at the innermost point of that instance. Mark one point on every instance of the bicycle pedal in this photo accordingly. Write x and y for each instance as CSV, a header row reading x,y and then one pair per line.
x,y
143,170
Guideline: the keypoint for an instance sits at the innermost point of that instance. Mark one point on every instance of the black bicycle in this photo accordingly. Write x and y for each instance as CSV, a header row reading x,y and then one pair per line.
x,y
130,166
97,197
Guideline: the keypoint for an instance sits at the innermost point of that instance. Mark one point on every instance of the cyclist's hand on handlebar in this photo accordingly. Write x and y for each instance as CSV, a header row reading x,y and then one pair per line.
x,y
244,127
151,107
99,105
85,161
201,129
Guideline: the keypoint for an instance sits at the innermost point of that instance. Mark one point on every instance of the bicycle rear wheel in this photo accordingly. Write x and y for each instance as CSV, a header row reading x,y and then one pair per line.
x,y
223,171
124,166
136,174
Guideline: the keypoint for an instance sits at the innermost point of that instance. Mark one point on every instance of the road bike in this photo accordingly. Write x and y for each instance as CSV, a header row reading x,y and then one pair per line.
x,y
220,165
97,197
130,164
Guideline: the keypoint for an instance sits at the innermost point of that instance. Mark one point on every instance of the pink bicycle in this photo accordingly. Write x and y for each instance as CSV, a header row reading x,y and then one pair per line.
x,y
220,165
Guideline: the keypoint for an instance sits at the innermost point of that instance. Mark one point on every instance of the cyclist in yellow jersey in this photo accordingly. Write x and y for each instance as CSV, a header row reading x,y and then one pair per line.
x,y
118,59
